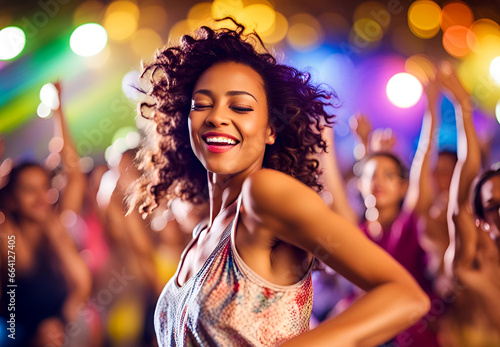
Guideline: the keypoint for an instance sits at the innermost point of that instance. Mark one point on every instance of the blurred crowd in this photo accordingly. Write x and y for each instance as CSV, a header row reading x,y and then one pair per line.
x,y
88,274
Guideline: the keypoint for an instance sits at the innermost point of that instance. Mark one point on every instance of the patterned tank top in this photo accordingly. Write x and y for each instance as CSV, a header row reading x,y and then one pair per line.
x,y
228,304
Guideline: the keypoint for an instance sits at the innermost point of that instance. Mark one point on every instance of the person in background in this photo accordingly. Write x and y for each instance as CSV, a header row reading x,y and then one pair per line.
x,y
52,279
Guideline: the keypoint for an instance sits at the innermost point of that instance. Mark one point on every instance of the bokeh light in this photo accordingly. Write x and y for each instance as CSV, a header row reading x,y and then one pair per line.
x,y
495,69
12,42
121,19
257,17
305,32
423,18
226,8
49,96
404,90
456,13
88,39
278,30
368,29
455,40
130,83
373,11
43,111
483,34
145,41
421,66
200,14
497,111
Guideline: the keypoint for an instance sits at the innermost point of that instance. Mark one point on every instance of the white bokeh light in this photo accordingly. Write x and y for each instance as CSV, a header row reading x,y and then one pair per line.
x,y
404,90
43,111
49,96
495,69
12,42
88,39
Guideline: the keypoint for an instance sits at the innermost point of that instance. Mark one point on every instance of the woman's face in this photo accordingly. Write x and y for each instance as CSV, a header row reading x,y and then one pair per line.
x,y
490,198
228,122
30,194
381,178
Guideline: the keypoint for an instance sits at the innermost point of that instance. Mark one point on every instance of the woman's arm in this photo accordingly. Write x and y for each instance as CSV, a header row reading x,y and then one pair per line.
x,y
462,230
73,194
420,192
73,267
393,300
332,178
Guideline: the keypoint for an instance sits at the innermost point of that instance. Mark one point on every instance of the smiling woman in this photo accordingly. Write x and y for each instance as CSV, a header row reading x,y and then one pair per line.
x,y
231,126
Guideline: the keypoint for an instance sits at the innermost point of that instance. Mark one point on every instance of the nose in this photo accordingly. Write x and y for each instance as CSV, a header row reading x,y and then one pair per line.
x,y
217,117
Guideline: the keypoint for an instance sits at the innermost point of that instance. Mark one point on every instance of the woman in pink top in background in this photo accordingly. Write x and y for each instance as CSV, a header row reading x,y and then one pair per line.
x,y
232,126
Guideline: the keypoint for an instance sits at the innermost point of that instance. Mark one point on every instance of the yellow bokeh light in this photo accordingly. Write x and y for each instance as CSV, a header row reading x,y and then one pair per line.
x,y
199,15
278,31
145,41
304,33
475,75
121,19
368,30
374,11
421,66
178,30
257,17
423,18
483,34
226,8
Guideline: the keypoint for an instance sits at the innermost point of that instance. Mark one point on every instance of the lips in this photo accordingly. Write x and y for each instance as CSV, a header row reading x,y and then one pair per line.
x,y
219,142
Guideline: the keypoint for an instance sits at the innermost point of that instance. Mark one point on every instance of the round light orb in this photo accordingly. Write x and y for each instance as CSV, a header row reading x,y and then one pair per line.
x,y
404,90
88,39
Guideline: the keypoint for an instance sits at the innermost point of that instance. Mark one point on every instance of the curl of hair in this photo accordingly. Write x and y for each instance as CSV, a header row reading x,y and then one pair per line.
x,y
297,110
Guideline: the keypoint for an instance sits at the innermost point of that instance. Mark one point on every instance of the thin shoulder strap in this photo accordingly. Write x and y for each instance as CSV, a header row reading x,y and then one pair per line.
x,y
197,229
237,214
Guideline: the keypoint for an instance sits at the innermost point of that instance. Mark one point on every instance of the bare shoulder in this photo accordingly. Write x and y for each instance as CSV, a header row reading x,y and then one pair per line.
x,y
274,192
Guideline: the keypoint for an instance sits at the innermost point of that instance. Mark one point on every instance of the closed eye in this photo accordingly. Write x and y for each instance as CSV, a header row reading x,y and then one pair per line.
x,y
241,109
199,107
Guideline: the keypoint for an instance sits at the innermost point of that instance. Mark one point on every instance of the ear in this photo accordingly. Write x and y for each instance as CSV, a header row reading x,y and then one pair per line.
x,y
270,135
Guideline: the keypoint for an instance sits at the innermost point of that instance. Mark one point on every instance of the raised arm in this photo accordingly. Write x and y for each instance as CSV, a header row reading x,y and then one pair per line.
x,y
73,194
393,300
420,192
462,229
332,178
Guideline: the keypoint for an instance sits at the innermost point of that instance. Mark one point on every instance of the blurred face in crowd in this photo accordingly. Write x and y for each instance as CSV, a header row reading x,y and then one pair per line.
x,y
490,198
381,178
444,171
30,194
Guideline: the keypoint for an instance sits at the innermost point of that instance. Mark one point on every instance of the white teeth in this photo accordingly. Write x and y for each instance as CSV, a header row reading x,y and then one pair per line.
x,y
220,140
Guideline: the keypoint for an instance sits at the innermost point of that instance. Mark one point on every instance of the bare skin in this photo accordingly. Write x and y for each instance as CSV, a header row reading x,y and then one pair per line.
x,y
303,226
473,256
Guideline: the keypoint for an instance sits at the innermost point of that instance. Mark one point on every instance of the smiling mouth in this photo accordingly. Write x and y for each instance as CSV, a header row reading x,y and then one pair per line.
x,y
220,141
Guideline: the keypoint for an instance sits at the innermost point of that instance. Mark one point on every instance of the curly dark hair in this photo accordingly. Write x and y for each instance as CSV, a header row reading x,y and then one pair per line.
x,y
297,109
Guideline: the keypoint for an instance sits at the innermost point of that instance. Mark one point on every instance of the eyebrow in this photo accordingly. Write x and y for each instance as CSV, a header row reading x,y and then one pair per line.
x,y
229,93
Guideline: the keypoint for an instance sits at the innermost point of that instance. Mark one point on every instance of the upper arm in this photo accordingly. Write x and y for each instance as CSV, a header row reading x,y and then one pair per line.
x,y
297,215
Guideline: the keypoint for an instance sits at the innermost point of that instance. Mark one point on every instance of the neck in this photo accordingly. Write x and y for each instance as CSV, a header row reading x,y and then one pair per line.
x,y
223,191
387,215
